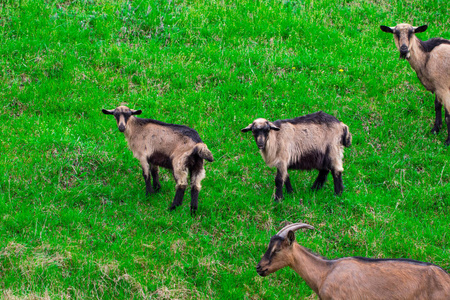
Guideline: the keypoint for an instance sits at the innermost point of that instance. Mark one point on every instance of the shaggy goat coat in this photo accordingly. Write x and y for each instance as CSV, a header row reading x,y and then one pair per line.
x,y
314,141
171,146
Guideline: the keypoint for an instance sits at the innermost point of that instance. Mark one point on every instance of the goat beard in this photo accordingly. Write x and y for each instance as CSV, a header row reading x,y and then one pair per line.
x,y
404,55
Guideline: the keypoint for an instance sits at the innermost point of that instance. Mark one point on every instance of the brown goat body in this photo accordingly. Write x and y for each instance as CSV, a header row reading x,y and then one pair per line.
x,y
431,61
354,277
314,141
171,146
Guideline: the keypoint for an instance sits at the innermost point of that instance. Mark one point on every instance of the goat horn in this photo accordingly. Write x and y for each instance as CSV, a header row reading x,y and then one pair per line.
x,y
293,227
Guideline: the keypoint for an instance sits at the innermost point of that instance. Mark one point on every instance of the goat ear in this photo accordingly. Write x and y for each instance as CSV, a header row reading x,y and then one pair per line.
x,y
108,112
420,28
273,127
248,128
291,237
387,29
136,112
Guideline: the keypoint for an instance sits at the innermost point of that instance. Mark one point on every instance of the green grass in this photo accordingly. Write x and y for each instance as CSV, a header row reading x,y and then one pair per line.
x,y
74,219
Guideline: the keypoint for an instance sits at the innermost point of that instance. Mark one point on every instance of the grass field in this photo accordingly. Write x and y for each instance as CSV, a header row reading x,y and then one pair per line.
x,y
74,219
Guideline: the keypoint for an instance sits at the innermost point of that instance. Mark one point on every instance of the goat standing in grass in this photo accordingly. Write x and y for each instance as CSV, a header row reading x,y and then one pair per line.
x,y
314,141
354,277
431,61
175,147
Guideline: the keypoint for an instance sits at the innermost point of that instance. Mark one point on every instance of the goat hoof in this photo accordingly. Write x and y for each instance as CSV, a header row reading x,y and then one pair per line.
x,y
149,191
157,187
435,130
316,187
338,193
172,207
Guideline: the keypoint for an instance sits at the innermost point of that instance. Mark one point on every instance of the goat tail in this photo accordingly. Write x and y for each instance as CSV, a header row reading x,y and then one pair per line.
x,y
346,137
202,150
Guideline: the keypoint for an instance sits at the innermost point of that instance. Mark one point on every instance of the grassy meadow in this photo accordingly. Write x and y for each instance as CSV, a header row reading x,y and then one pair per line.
x,y
74,219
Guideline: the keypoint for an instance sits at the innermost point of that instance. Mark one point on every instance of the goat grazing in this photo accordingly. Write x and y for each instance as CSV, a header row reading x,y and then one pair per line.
x,y
431,61
354,277
314,141
175,147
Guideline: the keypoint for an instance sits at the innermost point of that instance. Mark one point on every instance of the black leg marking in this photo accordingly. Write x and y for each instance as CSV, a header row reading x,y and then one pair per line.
x,y
194,200
320,180
148,184
338,184
438,118
447,120
155,176
288,185
278,186
178,199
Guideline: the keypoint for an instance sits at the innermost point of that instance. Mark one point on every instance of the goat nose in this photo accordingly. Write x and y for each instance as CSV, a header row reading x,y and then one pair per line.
x,y
121,128
258,267
404,48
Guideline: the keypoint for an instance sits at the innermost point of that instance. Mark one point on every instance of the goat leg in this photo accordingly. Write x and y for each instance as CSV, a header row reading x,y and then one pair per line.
x,y
155,176
148,182
320,180
178,199
338,184
447,120
194,200
438,117
279,181
288,185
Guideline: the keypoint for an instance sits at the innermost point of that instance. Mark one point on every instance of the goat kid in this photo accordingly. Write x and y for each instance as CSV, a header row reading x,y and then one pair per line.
x,y
314,141
354,277
158,144
431,61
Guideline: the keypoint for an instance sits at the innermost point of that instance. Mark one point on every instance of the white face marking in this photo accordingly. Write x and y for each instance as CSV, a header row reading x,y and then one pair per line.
x,y
121,120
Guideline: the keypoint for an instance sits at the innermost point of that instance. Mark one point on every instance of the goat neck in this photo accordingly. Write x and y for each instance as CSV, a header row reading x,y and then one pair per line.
x,y
130,127
417,58
270,152
312,268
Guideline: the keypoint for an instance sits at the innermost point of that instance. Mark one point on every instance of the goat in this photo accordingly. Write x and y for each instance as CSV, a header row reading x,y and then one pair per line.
x,y
431,61
158,144
314,141
354,277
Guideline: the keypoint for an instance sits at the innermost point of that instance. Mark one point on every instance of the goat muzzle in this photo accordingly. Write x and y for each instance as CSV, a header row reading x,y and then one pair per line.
x,y
121,128
404,51
260,271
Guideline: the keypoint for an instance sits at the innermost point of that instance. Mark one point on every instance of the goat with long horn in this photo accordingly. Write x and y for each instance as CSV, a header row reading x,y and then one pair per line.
x,y
354,277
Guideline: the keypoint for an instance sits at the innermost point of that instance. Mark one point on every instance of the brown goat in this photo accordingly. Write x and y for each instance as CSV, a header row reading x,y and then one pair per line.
x,y
314,141
174,147
354,277
431,61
